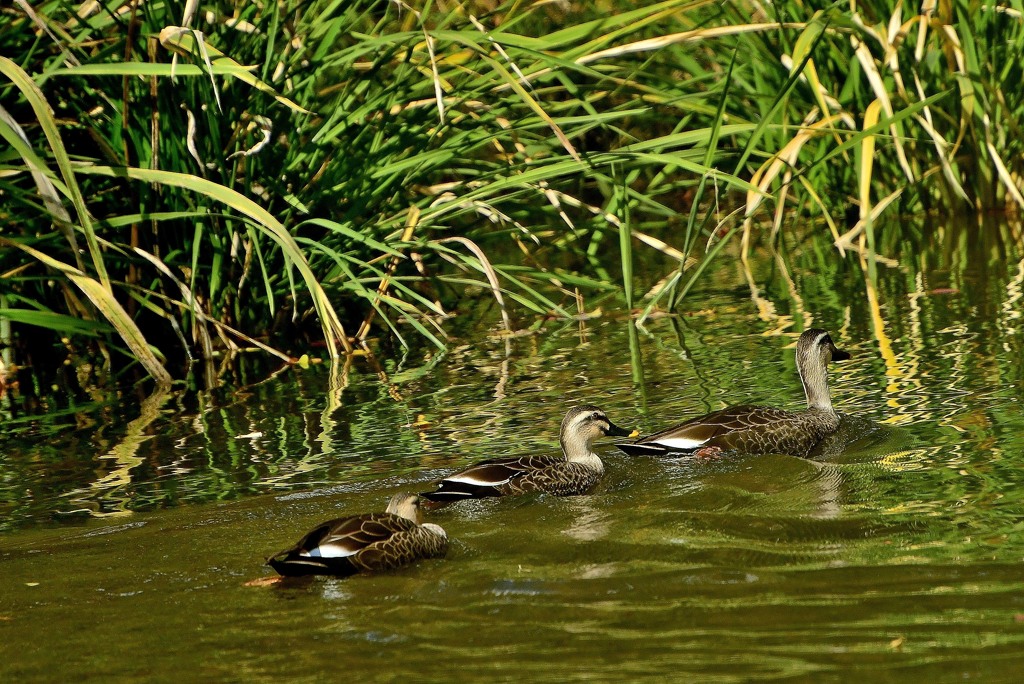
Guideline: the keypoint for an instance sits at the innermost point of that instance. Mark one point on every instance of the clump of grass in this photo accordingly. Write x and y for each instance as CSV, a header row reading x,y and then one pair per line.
x,y
232,178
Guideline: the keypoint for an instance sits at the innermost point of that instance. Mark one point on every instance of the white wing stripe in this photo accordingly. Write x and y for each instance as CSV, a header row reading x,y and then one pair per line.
x,y
469,479
680,443
329,551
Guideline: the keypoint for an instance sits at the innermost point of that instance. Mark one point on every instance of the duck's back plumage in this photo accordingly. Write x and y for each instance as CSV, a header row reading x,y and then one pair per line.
x,y
370,541
505,476
749,429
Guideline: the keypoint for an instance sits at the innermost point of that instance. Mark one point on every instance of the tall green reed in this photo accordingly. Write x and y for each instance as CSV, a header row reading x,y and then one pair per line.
x,y
358,165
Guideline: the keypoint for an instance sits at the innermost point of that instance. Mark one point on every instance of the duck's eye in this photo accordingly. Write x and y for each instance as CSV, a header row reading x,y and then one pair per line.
x,y
596,416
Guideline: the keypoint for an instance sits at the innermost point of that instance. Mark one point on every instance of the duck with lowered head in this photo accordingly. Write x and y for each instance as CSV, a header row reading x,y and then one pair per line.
x,y
577,471
760,429
365,542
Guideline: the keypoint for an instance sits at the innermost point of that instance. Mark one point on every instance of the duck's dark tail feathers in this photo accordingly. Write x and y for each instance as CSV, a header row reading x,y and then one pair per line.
x,y
289,564
450,492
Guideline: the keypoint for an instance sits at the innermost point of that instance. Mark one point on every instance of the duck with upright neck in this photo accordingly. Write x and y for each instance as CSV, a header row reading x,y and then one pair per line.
x,y
577,471
760,429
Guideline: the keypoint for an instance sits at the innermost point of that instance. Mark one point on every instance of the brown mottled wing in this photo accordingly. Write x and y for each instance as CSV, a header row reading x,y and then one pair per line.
x,y
494,477
749,429
562,478
353,534
401,549
721,424
338,543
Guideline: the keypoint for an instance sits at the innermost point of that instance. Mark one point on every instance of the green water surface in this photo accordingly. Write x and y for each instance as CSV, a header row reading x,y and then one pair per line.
x,y
132,528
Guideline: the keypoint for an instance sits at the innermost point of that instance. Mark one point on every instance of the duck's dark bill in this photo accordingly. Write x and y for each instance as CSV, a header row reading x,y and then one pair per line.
x,y
840,355
615,431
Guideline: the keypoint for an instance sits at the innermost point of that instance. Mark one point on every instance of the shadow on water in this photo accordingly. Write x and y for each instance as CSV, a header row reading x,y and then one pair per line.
x,y
133,548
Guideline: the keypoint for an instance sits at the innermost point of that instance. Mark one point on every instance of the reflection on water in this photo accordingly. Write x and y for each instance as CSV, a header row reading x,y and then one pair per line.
x,y
894,554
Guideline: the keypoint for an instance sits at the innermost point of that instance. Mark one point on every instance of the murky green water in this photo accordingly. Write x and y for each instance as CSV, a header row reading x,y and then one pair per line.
x,y
126,548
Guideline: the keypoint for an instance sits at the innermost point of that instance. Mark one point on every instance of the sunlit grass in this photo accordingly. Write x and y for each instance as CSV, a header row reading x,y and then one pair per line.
x,y
358,165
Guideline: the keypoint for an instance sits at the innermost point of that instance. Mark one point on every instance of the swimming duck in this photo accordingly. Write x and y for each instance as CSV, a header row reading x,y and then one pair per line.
x,y
575,472
370,541
760,429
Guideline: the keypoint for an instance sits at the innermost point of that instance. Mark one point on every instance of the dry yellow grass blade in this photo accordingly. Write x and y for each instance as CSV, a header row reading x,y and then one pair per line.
x,y
898,31
945,151
784,158
55,32
953,49
435,77
665,248
1004,174
867,61
924,18
44,186
867,159
890,42
191,6
498,48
